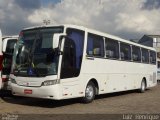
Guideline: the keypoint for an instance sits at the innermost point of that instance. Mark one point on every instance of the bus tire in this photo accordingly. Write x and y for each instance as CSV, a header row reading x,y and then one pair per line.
x,y
90,93
143,86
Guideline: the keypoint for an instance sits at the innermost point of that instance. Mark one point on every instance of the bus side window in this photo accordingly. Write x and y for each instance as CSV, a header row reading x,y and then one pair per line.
x,y
152,57
95,45
72,53
10,46
145,56
136,54
112,48
125,50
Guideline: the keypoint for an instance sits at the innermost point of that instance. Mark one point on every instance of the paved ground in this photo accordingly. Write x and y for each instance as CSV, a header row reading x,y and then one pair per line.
x,y
117,103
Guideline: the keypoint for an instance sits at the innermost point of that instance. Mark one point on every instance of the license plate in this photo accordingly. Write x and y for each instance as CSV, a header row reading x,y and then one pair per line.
x,y
27,91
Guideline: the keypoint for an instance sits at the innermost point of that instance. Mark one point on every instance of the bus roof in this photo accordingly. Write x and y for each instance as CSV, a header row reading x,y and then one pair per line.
x,y
94,32
14,37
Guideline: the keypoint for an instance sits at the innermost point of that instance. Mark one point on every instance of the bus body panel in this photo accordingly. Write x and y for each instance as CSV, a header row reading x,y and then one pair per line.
x,y
71,88
114,76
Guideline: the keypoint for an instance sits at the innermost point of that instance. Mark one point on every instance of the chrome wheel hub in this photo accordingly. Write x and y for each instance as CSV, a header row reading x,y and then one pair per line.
x,y
143,86
89,92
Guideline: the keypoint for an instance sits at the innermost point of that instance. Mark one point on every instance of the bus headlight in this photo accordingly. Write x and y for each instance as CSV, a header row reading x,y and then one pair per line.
x,y
12,80
50,82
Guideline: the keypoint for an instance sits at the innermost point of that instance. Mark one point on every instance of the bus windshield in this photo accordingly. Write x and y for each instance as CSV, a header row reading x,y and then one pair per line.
x,y
34,54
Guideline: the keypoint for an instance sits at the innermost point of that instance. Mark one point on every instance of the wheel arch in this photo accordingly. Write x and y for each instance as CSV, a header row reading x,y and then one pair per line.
x,y
145,80
95,82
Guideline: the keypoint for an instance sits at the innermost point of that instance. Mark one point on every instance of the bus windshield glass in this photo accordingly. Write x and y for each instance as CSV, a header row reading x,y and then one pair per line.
x,y
34,54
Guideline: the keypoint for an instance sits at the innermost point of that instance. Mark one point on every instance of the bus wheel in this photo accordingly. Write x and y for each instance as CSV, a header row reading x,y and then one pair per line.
x,y
143,86
90,93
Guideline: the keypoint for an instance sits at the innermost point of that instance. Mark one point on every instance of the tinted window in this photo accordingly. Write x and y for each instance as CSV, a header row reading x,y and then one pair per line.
x,y
7,58
136,54
10,46
95,45
158,64
145,56
112,48
72,55
152,57
33,55
125,51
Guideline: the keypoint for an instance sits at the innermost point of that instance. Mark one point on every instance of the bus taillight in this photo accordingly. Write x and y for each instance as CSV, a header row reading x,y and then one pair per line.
x,y
4,79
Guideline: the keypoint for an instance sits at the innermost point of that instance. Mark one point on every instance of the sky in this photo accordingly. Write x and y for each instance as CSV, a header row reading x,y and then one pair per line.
x,y
128,19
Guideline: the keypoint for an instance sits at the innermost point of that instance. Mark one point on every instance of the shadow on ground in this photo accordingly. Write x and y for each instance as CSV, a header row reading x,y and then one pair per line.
x,y
7,97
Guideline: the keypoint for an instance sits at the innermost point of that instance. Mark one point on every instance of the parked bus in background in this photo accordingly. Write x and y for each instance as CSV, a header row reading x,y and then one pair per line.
x,y
8,44
1,58
69,61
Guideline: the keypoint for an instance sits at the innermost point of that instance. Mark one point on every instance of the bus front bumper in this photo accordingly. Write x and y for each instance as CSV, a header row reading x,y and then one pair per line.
x,y
45,92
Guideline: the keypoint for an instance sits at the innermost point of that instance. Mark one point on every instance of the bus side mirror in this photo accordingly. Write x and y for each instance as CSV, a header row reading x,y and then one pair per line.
x,y
4,46
57,42
56,39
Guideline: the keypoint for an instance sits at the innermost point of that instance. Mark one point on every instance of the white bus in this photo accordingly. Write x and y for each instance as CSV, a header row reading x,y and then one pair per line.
x,y
8,44
69,61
